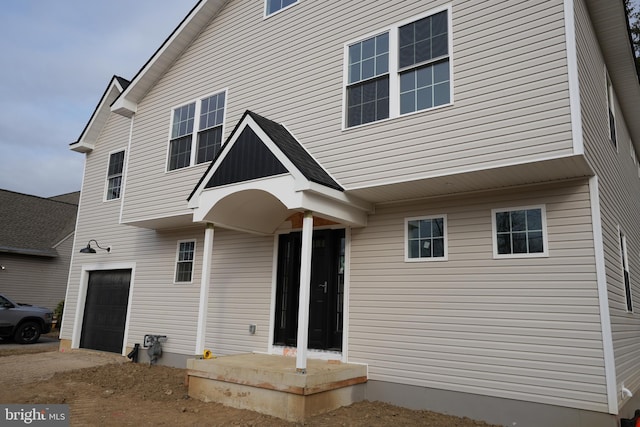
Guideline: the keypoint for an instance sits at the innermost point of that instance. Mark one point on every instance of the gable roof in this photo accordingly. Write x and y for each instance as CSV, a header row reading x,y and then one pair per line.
x,y
34,225
89,135
283,140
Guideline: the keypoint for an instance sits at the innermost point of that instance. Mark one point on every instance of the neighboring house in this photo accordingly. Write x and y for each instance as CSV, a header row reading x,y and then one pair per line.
x,y
36,240
469,170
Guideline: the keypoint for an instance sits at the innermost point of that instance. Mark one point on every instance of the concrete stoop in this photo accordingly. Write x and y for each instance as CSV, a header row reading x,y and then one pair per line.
x,y
270,384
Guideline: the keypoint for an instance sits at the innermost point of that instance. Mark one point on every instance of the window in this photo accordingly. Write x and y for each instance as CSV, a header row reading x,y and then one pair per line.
x,y
612,117
399,71
625,271
426,238
273,6
207,116
519,232
114,175
184,263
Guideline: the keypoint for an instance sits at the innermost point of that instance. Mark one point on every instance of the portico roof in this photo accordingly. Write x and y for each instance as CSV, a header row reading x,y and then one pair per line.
x,y
263,175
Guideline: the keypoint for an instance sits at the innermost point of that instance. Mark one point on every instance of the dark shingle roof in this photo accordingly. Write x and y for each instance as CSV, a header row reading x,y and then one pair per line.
x,y
32,225
291,148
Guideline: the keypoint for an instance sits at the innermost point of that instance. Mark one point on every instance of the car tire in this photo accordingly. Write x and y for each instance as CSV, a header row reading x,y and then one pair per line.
x,y
27,333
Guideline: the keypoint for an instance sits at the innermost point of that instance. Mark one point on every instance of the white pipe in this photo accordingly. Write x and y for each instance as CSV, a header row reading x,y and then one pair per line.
x,y
626,392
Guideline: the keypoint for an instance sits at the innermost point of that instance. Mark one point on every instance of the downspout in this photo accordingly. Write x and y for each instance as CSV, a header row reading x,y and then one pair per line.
x,y
205,282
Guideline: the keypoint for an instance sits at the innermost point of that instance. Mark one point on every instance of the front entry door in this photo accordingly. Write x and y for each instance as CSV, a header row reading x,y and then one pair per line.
x,y
326,292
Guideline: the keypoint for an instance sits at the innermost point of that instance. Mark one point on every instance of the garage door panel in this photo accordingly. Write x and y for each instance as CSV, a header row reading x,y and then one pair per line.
x,y
105,310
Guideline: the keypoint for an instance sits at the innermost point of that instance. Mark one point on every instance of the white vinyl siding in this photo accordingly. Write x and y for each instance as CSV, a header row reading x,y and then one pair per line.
x,y
618,188
511,94
241,284
524,328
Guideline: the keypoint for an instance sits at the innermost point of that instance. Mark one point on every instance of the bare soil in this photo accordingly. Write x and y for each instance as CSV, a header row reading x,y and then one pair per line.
x,y
112,391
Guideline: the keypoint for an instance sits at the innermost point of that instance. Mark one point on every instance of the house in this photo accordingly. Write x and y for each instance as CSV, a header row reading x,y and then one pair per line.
x,y
444,191
36,239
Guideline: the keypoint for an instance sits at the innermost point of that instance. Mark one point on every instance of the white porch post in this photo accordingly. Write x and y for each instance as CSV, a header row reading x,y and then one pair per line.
x,y
205,281
305,285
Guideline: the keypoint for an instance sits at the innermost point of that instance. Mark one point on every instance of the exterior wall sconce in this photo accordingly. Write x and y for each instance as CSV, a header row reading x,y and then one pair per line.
x,y
90,250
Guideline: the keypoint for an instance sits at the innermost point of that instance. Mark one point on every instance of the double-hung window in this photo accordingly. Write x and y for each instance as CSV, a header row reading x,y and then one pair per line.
x,y
611,111
519,232
625,271
426,238
198,123
399,71
184,261
114,175
273,6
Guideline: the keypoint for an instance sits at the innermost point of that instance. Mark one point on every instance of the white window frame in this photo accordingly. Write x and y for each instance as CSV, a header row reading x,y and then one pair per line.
x,y
611,110
545,233
445,236
108,177
196,130
394,71
177,260
624,265
266,8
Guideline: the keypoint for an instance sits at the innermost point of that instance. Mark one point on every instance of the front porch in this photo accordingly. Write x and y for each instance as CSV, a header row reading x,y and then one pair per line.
x,y
272,385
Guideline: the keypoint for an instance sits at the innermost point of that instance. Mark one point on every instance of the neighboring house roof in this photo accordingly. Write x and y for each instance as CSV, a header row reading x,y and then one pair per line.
x,y
73,198
34,225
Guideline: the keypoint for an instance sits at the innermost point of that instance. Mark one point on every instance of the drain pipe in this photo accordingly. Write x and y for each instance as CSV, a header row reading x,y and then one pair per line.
x,y
133,354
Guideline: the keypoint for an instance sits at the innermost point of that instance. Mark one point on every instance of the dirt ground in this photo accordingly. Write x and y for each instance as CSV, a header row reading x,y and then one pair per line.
x,y
119,393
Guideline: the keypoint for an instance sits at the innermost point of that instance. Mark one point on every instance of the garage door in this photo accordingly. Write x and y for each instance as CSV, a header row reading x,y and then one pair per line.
x,y
105,310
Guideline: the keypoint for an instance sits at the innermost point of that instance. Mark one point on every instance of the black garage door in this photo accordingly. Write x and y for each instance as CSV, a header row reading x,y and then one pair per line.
x,y
105,310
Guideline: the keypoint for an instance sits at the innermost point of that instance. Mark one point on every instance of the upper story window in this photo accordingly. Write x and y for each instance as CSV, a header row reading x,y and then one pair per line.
x,y
426,238
612,116
399,71
273,6
519,232
207,117
114,175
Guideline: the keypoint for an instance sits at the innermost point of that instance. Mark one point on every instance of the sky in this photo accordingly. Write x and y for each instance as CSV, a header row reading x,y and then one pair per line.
x,y
58,57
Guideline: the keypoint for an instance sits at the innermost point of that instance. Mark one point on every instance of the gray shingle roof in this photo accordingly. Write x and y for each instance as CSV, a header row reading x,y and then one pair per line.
x,y
32,225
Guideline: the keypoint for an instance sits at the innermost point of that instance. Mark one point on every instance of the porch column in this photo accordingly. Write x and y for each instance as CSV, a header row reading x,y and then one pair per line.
x,y
305,286
205,281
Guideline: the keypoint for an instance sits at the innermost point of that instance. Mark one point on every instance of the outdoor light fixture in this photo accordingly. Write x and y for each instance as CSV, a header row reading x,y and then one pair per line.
x,y
90,250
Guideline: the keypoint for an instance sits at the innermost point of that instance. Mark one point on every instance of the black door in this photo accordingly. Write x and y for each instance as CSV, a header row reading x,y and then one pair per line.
x,y
105,310
326,291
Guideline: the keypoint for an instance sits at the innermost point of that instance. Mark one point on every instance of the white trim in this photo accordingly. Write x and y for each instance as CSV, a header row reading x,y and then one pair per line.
x,y
572,71
268,15
106,176
193,263
346,294
393,66
86,269
205,283
603,298
445,256
125,171
545,233
274,291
